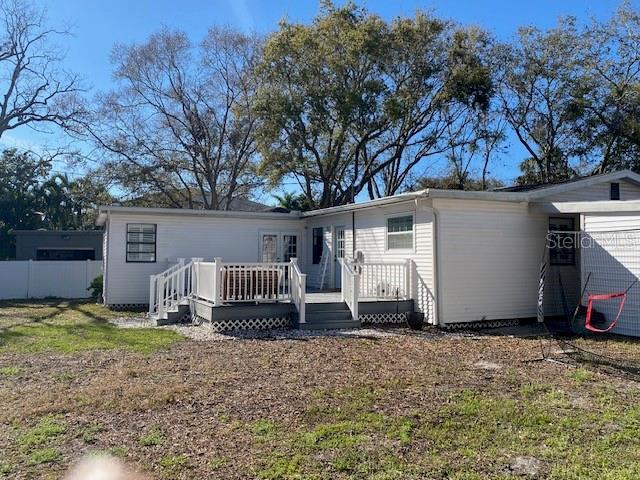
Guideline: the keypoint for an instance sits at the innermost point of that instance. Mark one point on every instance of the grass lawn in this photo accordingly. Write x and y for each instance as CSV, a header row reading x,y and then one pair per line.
x,y
406,406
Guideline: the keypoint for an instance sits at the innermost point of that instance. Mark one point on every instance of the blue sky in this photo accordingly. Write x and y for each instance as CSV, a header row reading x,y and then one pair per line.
x,y
97,25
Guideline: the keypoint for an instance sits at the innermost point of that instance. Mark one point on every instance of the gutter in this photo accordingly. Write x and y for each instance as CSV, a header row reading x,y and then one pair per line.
x,y
379,202
103,210
604,206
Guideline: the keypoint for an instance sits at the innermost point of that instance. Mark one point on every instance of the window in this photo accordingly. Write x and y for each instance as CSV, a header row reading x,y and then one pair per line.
x,y
65,254
400,233
614,192
562,247
318,244
141,242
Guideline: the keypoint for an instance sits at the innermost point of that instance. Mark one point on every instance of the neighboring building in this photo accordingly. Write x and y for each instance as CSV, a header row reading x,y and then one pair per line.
x,y
58,244
458,256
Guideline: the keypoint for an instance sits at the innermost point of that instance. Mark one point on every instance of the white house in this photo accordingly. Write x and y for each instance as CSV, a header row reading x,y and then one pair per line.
x,y
459,257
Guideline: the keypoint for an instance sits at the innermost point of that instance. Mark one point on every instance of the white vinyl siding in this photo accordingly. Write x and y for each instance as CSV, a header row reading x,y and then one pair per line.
x,y
184,236
601,191
488,259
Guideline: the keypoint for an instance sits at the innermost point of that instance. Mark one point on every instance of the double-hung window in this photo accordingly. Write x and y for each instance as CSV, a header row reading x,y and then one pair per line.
x,y
562,249
141,242
400,232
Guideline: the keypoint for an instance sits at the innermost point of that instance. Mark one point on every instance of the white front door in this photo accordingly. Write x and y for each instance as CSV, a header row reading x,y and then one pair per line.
x,y
278,247
339,245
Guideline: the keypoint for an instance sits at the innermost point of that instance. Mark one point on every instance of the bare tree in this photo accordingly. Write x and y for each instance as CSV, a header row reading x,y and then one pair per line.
x,y
34,88
180,126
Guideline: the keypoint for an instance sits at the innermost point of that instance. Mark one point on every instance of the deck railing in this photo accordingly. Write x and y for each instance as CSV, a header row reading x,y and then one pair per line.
x,y
298,289
222,282
385,280
350,286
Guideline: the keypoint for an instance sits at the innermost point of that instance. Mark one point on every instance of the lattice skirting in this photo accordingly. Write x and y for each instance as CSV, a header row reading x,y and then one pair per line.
x,y
251,324
380,318
482,324
131,307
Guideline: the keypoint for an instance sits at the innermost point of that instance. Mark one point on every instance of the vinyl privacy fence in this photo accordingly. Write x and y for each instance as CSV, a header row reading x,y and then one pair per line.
x,y
41,279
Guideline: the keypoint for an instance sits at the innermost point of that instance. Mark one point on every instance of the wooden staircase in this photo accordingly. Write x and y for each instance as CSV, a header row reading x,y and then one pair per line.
x,y
327,316
175,314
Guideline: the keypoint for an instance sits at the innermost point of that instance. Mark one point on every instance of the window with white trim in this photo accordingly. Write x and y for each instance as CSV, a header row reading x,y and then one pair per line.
x,y
141,242
400,232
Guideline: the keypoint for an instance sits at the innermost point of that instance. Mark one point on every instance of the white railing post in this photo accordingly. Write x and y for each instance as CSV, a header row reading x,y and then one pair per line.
x,y
217,283
160,295
293,264
344,279
195,275
152,290
355,294
302,309
407,278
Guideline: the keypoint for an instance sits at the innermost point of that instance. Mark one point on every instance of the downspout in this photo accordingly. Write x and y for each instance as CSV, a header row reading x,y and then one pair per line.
x,y
436,262
105,260
353,234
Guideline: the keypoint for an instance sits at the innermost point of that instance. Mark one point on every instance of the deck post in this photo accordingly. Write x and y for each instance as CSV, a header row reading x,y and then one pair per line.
x,y
356,294
151,292
217,283
303,294
344,278
160,295
293,262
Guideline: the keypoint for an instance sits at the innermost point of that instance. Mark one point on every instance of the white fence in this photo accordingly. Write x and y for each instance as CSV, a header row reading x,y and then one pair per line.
x,y
61,279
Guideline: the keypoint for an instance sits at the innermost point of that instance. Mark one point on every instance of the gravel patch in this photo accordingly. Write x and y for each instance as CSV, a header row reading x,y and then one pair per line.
x,y
132,322
204,333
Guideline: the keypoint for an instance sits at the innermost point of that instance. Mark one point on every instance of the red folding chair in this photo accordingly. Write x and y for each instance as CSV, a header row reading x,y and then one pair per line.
x,y
602,297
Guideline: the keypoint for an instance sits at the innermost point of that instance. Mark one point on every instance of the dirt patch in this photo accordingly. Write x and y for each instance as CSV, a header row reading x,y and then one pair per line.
x,y
525,466
363,404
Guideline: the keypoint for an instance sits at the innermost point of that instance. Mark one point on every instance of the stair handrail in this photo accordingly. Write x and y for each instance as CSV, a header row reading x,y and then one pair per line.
x,y
167,289
298,289
350,290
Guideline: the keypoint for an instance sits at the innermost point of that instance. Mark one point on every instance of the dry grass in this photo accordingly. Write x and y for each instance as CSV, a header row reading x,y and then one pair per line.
x,y
413,406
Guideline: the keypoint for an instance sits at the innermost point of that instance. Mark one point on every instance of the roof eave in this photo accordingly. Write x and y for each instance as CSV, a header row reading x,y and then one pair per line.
x,y
604,206
104,210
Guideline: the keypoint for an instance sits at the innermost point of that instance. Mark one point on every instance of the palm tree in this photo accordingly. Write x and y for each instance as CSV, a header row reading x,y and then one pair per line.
x,y
292,201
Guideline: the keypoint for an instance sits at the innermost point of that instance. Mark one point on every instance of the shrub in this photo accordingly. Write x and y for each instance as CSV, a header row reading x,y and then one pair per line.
x,y
95,287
